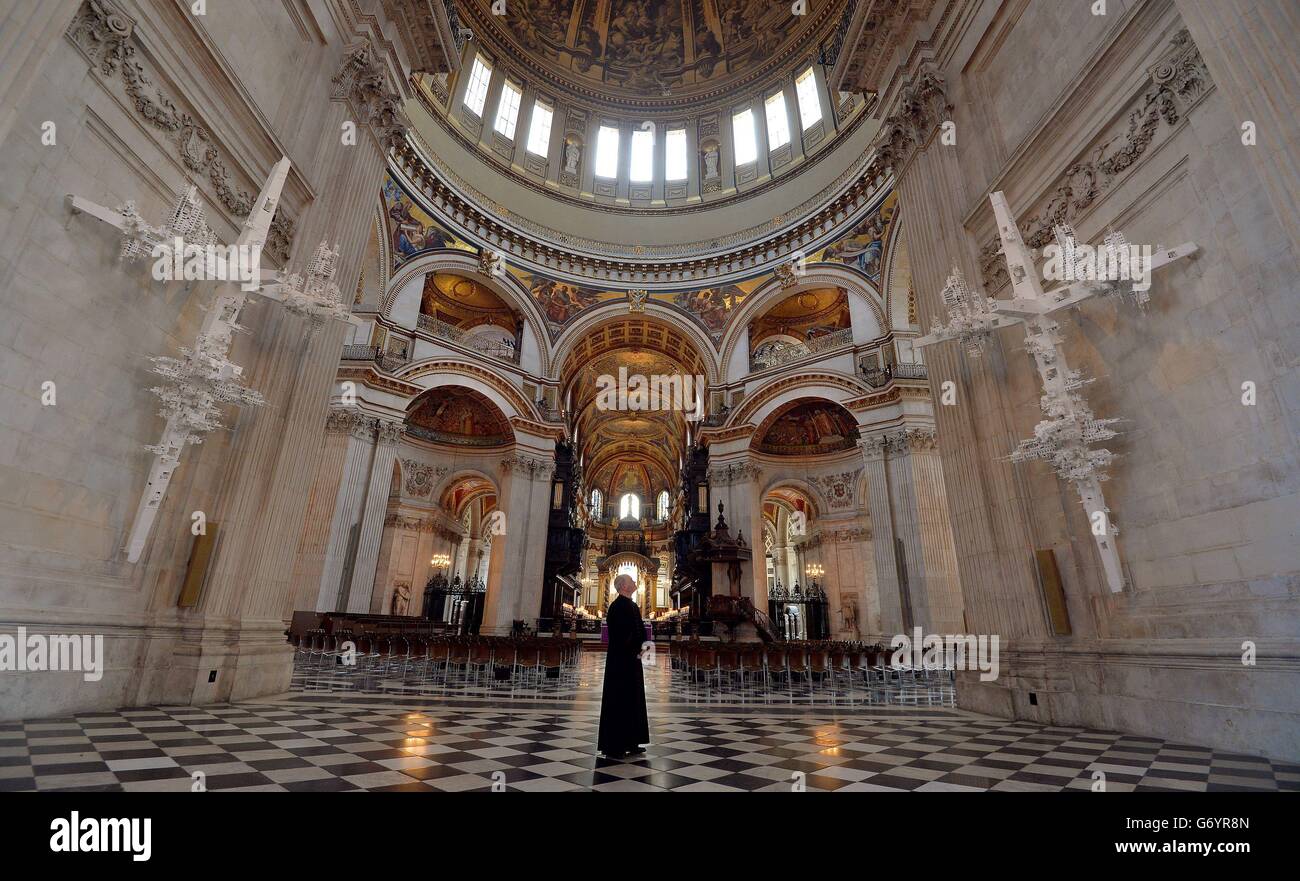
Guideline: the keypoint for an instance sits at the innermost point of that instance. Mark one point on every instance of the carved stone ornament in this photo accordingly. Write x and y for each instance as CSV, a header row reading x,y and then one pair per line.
x,y
362,82
1178,82
535,469
419,478
103,34
839,489
734,473
390,432
922,108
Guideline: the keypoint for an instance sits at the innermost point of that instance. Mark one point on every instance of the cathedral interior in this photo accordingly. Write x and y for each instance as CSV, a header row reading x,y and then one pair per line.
x,y
932,367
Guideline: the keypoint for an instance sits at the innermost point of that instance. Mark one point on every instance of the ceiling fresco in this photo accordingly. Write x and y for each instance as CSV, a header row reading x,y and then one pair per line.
x,y
649,49
807,428
412,232
460,417
465,303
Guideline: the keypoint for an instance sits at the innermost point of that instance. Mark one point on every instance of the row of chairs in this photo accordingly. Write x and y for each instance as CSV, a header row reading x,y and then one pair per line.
x,y
705,668
367,660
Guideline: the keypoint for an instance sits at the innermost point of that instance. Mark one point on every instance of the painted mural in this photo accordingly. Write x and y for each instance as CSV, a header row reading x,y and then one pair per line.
x,y
652,46
808,428
461,417
412,231
864,248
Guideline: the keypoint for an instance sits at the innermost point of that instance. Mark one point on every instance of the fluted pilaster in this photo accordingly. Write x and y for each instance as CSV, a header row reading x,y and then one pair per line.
x,y
361,591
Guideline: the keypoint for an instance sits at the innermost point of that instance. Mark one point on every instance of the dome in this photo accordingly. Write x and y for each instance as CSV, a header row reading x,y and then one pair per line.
x,y
648,54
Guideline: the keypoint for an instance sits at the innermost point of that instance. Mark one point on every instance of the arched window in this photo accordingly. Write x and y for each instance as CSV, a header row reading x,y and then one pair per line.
x,y
661,508
597,504
629,507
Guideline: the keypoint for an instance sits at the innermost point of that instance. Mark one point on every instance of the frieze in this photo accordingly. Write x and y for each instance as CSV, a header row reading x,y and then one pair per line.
x,y
734,473
535,469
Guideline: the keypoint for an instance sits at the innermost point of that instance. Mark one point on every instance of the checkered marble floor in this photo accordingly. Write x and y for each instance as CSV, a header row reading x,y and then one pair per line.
x,y
312,741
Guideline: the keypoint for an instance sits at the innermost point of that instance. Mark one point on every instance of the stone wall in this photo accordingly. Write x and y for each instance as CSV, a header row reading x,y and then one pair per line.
x,y
137,99
1122,122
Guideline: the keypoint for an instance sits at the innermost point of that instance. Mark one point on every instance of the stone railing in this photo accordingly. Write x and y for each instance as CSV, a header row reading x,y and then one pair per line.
x,y
878,377
386,361
442,330
783,353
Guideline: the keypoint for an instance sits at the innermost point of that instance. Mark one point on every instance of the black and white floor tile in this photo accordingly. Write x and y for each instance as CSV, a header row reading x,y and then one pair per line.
x,y
328,742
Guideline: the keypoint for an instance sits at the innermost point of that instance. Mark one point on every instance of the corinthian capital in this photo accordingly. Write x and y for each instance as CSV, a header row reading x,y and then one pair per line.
x,y
390,431
922,107
362,81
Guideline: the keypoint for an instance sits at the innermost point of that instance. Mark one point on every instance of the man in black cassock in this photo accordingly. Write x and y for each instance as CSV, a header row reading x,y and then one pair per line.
x,y
623,723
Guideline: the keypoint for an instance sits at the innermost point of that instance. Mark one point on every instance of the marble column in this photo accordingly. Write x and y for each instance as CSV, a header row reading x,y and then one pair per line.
x,y
347,509
378,489
1249,48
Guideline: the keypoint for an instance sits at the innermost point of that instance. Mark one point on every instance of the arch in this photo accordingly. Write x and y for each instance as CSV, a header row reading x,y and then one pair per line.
x,y
816,501
453,480
832,385
615,312
897,262
802,424
431,373
403,294
818,275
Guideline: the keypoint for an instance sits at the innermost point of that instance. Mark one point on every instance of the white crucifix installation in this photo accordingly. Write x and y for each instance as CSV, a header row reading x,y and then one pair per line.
x,y
203,378
1065,438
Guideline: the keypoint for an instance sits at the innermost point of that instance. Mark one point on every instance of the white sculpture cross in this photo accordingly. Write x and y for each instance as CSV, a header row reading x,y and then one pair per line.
x,y
1066,436
204,378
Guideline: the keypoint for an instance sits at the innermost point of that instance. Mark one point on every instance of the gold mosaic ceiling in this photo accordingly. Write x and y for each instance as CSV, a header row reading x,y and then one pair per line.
x,y
641,52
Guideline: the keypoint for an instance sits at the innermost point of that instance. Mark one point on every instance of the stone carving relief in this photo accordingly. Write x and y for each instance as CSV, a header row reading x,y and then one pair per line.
x,y
839,489
1178,82
922,107
390,432
734,473
421,478
103,33
362,82
535,469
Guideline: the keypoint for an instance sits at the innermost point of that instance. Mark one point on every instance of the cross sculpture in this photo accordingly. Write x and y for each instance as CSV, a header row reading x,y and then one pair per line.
x,y
203,379
1065,438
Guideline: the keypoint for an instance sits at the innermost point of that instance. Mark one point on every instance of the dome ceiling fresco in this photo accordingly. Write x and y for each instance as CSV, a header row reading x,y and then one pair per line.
x,y
412,232
642,51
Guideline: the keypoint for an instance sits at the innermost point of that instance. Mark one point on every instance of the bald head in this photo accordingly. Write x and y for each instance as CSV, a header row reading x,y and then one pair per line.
x,y
625,585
